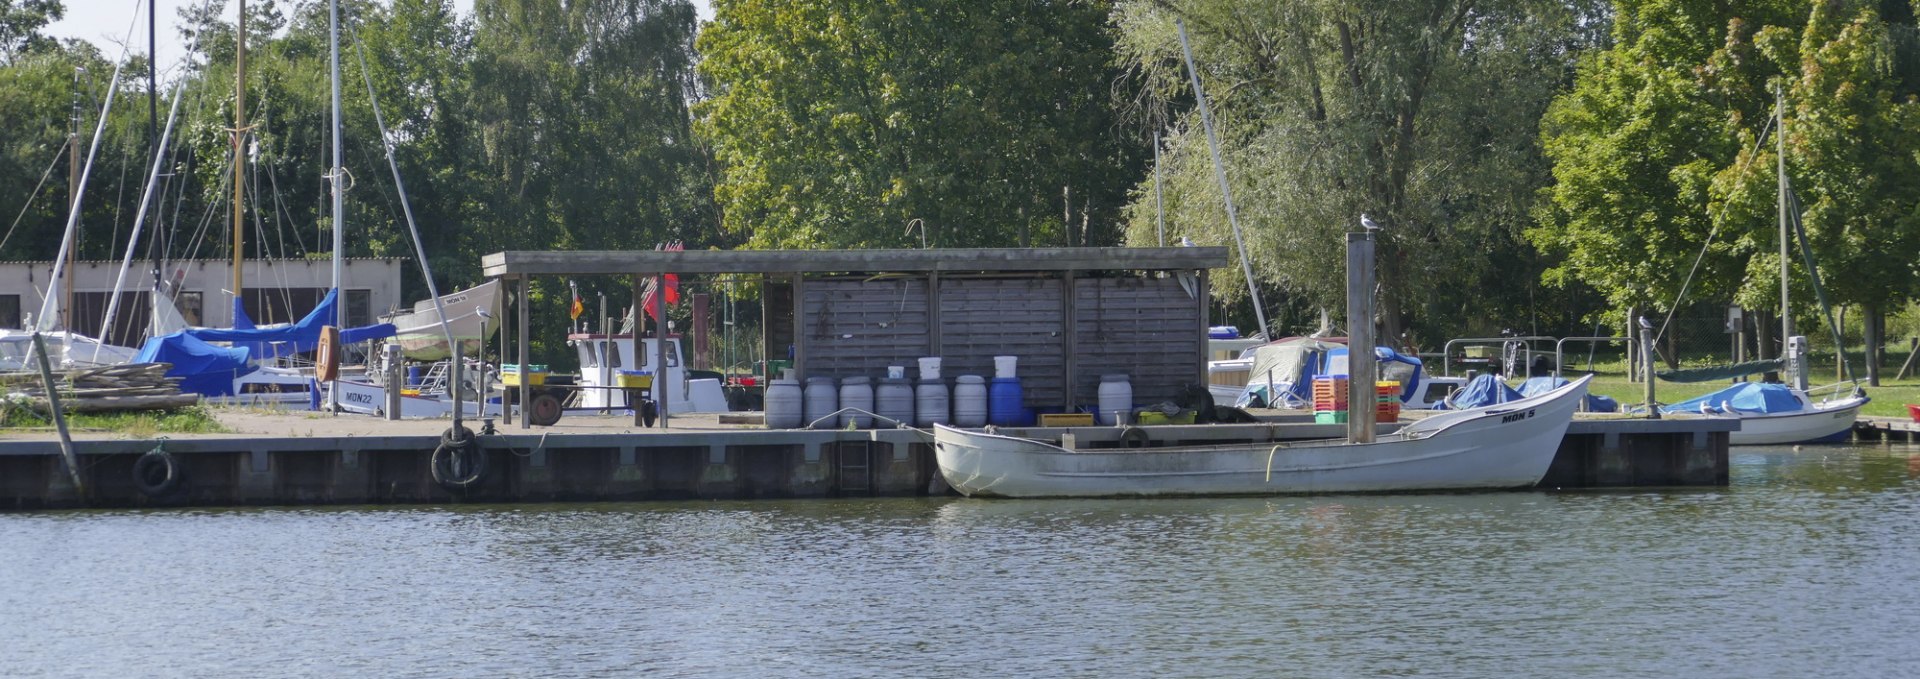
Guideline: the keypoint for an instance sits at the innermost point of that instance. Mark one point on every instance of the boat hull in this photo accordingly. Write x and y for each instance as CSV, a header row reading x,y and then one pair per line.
x,y
421,337
1822,423
1510,445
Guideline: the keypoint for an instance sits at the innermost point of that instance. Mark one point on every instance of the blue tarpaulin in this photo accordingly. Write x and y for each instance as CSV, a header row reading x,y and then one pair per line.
x,y
1535,386
202,368
1483,390
1748,397
296,338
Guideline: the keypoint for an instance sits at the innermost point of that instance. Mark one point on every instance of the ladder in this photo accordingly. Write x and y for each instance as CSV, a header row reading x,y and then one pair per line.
x,y
855,460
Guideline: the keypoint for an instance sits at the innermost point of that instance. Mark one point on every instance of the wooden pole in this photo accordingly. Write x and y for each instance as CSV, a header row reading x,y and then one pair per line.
x,y
1360,390
526,388
1646,369
660,348
59,418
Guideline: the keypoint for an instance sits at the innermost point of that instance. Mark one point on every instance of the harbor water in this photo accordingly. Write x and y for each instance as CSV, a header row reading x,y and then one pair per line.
x,y
1808,565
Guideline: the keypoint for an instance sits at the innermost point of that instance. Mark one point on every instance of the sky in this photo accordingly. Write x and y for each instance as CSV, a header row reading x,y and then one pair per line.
x,y
106,23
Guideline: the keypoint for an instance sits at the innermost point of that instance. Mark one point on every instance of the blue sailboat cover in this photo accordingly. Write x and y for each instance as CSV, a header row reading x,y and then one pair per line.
x,y
1484,390
1747,397
1535,386
202,368
299,337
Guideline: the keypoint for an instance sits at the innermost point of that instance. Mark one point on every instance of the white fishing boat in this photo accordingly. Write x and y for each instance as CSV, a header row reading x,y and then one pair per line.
x,y
605,360
1509,445
468,313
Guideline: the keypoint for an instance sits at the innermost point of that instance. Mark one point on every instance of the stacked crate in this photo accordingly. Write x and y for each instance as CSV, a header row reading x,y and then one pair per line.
x,y
1330,400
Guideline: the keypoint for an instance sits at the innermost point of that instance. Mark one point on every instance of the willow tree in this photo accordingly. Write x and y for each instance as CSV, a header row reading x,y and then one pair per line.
x,y
978,122
1420,114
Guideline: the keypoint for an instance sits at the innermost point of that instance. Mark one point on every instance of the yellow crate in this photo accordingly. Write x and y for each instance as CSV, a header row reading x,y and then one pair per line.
x,y
1157,417
1066,419
631,381
512,379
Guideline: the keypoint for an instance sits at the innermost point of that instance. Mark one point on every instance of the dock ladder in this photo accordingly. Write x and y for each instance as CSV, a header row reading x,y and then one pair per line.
x,y
855,462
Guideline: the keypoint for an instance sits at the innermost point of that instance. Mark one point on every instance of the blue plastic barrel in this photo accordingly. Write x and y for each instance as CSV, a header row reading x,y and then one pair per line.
x,y
414,375
1006,406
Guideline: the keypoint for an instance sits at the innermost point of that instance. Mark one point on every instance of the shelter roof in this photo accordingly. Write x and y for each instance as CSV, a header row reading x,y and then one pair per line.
x,y
520,263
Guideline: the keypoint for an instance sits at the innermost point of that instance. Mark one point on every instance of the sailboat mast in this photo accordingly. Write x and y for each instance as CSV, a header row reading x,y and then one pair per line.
x,y
1780,174
239,153
73,200
339,168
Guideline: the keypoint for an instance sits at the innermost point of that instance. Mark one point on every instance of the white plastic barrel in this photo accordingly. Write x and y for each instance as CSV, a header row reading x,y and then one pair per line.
x,y
930,368
1116,399
1003,366
856,393
784,404
894,401
970,401
822,400
930,405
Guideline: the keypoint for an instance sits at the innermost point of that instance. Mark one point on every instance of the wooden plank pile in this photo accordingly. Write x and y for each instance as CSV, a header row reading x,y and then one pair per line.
x,y
134,386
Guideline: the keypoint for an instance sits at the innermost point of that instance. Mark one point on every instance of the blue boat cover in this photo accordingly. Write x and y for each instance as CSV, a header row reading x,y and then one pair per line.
x,y
1535,386
1392,365
296,338
1746,397
1483,390
202,368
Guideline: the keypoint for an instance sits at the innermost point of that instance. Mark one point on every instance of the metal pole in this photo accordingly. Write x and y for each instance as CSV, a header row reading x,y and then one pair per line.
x,y
59,418
1646,366
1159,206
1780,171
660,347
73,202
526,388
339,207
1360,397
1220,173
240,155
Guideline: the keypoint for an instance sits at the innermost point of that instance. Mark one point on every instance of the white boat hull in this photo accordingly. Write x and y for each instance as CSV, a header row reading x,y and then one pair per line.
x,y
371,399
421,337
1821,422
1509,445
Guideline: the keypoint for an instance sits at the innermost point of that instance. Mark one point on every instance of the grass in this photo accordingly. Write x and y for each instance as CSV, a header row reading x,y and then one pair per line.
x,y
139,425
1889,399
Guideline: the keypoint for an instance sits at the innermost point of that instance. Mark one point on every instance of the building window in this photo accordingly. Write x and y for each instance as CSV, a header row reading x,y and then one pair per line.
x,y
359,308
10,311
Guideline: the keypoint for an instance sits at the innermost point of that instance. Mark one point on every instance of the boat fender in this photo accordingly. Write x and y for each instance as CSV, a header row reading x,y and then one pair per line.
x,y
458,462
1133,437
156,473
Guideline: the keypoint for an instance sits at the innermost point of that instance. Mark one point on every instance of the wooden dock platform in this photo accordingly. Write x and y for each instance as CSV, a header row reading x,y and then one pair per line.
x,y
334,463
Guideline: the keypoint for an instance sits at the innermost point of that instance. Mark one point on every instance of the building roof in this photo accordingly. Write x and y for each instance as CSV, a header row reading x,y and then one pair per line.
x,y
522,263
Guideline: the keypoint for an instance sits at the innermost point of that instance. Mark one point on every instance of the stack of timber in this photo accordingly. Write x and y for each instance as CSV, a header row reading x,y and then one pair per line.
x,y
133,386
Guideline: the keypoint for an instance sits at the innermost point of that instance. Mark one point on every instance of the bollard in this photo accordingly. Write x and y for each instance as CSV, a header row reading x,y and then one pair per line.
x,y
1646,369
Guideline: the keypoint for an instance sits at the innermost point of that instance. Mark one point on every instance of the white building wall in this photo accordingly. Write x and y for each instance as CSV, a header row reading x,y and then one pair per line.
x,y
378,279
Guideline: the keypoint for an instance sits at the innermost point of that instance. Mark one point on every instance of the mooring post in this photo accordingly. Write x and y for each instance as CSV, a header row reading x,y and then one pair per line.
x,y
395,370
1361,400
1646,365
59,418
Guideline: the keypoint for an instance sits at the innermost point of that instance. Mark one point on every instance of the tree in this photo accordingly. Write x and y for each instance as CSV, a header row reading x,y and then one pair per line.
x,y
980,122
1420,115
1658,147
20,24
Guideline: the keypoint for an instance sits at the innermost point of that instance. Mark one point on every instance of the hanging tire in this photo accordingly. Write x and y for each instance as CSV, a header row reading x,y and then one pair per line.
x,y
543,410
156,473
458,462
1134,437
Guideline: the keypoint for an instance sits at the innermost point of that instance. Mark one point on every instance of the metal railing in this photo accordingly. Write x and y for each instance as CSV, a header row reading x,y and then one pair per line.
x,y
1559,350
1525,341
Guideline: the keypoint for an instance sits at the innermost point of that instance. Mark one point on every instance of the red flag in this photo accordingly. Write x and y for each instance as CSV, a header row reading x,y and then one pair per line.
x,y
673,281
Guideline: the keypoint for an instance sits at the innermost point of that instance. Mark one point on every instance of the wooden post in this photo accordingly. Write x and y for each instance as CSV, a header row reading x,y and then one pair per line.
x,y
59,418
1069,311
1646,369
660,346
1203,302
1361,400
639,350
526,388
799,328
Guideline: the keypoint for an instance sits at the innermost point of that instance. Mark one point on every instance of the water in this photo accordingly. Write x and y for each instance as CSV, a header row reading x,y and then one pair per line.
x,y
1809,565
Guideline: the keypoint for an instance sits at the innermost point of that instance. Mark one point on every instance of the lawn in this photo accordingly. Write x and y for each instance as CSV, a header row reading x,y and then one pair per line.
x,y
1889,400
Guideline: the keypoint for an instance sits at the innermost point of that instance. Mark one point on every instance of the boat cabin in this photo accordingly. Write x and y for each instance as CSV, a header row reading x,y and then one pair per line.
x,y
603,358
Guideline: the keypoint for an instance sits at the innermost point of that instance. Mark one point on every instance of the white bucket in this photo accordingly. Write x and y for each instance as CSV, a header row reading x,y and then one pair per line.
x,y
1003,366
930,368
896,372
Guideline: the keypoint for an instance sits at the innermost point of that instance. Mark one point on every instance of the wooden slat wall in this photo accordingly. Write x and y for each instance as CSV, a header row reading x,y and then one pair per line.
x,y
861,326
1142,326
1145,328
981,318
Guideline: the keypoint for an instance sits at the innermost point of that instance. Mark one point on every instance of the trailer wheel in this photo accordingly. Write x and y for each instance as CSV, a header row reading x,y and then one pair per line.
x,y
543,410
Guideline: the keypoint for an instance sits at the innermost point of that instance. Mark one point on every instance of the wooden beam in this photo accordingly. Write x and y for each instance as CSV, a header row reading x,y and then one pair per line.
x,y
1069,312
604,262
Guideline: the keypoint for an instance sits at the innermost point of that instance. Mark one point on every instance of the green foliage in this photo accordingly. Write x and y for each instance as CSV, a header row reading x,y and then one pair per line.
x,y
1420,115
1657,145
20,24
986,122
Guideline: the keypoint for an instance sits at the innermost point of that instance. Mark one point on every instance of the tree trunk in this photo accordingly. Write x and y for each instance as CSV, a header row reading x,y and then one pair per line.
x,y
1875,337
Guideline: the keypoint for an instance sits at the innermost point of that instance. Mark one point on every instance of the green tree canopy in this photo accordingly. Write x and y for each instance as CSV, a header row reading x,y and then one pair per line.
x,y
987,122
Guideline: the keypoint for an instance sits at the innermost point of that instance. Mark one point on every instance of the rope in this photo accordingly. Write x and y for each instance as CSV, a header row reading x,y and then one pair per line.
x,y
1757,143
36,191
1819,291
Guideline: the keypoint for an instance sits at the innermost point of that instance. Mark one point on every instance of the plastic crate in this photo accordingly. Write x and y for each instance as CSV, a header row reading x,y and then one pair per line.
x,y
636,379
1066,419
1330,418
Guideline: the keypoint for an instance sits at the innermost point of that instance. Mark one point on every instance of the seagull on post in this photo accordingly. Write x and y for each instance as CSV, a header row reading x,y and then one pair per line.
x,y
1367,222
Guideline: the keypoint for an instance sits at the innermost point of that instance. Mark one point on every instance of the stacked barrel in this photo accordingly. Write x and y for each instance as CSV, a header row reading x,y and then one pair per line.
x,y
1330,400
